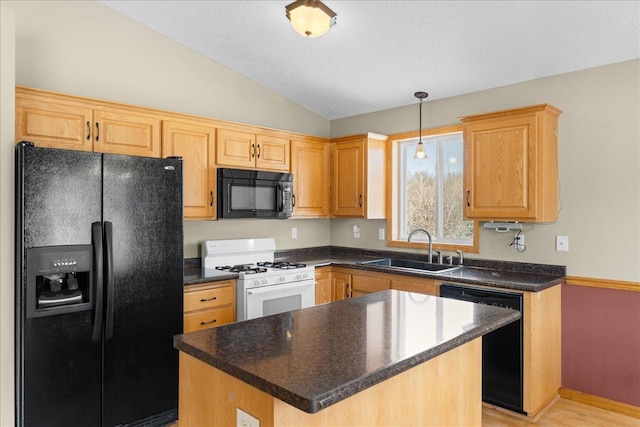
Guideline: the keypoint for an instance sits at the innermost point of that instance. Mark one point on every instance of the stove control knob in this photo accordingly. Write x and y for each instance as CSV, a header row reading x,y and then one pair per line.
x,y
281,278
298,276
256,283
264,281
305,275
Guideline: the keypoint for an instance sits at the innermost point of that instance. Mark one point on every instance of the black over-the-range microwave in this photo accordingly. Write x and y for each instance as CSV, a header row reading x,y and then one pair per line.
x,y
254,194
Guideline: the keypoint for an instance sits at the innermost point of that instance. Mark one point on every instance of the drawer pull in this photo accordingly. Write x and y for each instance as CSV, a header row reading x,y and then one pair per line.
x,y
208,299
208,323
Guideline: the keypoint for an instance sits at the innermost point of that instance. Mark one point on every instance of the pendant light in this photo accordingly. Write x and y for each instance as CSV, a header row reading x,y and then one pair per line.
x,y
420,153
311,18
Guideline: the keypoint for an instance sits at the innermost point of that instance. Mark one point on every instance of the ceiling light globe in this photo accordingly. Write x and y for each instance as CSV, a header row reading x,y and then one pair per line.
x,y
420,153
311,18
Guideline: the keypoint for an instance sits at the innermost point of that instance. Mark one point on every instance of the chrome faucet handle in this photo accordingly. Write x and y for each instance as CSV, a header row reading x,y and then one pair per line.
x,y
449,259
439,256
459,252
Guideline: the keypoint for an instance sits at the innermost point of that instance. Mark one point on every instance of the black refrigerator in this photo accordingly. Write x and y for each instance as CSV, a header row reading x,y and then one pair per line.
x,y
99,274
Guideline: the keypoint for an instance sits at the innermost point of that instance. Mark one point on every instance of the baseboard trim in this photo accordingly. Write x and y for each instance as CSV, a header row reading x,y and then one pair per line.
x,y
603,283
600,402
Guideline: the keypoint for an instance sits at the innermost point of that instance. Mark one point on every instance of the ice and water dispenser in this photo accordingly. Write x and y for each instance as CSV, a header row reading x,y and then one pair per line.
x,y
58,280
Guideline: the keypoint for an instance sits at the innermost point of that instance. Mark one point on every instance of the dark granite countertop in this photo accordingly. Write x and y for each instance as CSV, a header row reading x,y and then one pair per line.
x,y
318,356
498,274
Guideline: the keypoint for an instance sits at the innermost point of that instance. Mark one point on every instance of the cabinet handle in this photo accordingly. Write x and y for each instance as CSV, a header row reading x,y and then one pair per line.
x,y
88,130
258,150
360,200
293,200
468,198
209,322
253,150
97,132
210,198
208,299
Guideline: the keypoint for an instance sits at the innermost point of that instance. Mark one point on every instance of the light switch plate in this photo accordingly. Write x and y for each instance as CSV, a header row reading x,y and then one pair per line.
x,y
294,233
381,234
244,419
562,243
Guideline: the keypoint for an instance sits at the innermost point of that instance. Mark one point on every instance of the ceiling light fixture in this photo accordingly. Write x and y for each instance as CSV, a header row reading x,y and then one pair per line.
x,y
420,153
311,18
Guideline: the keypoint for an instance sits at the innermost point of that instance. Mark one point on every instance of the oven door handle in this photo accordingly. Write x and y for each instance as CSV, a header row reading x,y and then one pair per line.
x,y
285,286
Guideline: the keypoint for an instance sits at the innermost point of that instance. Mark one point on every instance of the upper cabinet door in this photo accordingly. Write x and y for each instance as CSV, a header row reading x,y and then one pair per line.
x,y
196,145
236,149
348,179
310,165
51,124
126,132
272,153
511,166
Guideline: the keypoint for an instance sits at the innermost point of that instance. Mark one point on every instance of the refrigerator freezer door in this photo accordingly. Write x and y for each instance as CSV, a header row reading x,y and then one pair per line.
x,y
58,367
143,202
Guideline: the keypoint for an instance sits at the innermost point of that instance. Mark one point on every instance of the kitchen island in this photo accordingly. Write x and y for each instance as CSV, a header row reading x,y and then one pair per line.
x,y
388,358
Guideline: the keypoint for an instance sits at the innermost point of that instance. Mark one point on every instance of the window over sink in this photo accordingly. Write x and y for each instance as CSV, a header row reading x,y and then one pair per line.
x,y
428,193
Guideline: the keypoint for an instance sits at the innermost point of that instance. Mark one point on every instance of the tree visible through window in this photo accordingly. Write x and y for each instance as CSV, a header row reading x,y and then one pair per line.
x,y
430,191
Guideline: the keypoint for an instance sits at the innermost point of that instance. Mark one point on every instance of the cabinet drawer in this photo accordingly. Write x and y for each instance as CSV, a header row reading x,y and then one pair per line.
x,y
367,284
208,318
429,287
208,298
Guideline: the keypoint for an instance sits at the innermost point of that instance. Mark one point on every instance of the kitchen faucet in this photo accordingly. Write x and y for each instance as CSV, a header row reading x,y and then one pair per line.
x,y
461,257
424,230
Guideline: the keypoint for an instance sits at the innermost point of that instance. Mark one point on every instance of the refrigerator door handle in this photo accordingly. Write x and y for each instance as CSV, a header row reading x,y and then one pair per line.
x,y
96,241
108,277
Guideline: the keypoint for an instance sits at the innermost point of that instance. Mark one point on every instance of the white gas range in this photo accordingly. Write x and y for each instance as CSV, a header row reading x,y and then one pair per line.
x,y
264,287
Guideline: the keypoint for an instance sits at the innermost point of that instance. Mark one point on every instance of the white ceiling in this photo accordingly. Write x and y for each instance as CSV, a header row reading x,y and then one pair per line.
x,y
380,52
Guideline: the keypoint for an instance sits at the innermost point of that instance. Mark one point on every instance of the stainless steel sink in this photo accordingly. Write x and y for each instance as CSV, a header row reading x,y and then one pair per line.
x,y
408,264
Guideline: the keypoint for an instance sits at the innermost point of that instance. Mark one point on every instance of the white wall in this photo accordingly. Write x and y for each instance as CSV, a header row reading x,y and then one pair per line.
x,y
599,168
7,136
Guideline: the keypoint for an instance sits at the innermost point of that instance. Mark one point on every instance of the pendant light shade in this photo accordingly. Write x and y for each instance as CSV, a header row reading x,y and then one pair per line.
x,y
420,152
311,18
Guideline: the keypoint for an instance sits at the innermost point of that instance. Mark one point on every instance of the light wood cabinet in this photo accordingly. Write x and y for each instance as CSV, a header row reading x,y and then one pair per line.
x,y
195,143
363,283
416,284
310,165
126,132
209,305
341,285
511,164
63,121
246,150
359,176
324,287
52,124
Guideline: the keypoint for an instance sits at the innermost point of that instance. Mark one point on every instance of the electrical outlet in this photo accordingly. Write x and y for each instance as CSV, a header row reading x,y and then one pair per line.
x,y
243,419
562,243
294,233
356,231
381,234
520,239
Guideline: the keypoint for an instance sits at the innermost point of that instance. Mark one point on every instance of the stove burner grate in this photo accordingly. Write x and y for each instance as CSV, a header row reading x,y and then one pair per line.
x,y
282,265
242,268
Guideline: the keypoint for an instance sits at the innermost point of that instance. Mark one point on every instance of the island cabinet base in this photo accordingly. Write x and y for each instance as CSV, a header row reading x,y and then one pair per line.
x,y
443,391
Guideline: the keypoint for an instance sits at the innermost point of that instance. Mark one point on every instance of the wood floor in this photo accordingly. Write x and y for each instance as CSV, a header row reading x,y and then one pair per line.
x,y
563,413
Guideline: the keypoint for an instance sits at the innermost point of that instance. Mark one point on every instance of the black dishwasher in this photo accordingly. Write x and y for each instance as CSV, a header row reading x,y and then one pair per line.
x,y
502,371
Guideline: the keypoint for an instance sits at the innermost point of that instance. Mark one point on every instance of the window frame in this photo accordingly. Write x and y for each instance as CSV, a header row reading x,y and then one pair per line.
x,y
393,195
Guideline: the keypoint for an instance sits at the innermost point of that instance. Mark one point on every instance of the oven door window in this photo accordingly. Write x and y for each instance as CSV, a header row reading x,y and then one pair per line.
x,y
279,298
